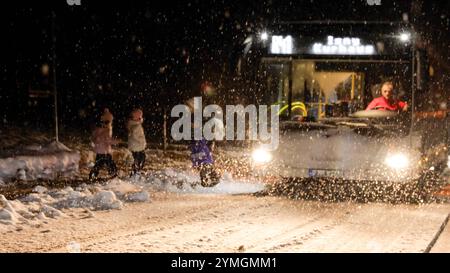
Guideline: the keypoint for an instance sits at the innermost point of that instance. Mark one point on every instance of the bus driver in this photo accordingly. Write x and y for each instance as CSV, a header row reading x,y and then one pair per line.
x,y
387,101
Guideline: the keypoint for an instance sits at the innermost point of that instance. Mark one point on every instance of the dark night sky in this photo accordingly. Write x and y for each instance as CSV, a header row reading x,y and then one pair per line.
x,y
113,53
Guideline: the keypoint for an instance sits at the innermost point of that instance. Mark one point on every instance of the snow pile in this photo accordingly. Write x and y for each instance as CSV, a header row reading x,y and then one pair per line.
x,y
189,182
142,196
46,162
8,214
127,191
105,200
44,204
40,189
110,196
54,147
51,212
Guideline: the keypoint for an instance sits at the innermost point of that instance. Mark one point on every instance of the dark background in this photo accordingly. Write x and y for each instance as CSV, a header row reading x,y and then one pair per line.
x,y
153,55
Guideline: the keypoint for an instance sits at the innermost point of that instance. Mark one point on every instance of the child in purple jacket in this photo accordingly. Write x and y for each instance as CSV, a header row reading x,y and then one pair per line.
x,y
202,160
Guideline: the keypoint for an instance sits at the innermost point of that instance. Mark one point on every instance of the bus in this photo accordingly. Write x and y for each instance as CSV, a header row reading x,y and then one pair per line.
x,y
323,74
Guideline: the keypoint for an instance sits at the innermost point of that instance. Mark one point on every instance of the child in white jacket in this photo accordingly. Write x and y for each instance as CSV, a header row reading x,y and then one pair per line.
x,y
136,140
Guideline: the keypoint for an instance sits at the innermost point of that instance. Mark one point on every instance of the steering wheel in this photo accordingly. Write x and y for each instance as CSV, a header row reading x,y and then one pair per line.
x,y
379,107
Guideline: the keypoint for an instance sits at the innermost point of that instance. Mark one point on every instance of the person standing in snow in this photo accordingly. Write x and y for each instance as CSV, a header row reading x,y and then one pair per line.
x,y
218,131
136,140
102,140
202,160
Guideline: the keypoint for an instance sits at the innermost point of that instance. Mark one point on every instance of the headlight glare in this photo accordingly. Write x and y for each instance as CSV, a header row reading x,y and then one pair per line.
x,y
261,156
397,161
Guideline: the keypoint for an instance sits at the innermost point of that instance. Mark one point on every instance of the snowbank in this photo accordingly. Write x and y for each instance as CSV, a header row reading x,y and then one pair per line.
x,y
43,204
188,182
8,213
36,161
106,200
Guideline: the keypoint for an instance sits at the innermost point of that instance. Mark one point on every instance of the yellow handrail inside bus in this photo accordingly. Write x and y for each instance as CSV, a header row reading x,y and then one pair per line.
x,y
294,106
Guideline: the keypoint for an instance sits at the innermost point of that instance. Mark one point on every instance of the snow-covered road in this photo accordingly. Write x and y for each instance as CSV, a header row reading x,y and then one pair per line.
x,y
174,222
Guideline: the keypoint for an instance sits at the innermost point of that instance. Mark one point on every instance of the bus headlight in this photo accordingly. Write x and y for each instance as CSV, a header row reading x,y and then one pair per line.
x,y
397,161
261,156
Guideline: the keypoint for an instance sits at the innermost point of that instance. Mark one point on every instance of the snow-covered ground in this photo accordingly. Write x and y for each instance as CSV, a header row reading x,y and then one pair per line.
x,y
32,156
175,222
44,203
171,180
162,212
165,210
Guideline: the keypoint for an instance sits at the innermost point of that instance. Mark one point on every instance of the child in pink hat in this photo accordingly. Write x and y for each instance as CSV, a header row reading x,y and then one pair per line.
x,y
102,140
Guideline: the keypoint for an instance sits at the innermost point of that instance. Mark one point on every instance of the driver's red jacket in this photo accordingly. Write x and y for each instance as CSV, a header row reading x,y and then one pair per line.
x,y
383,104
